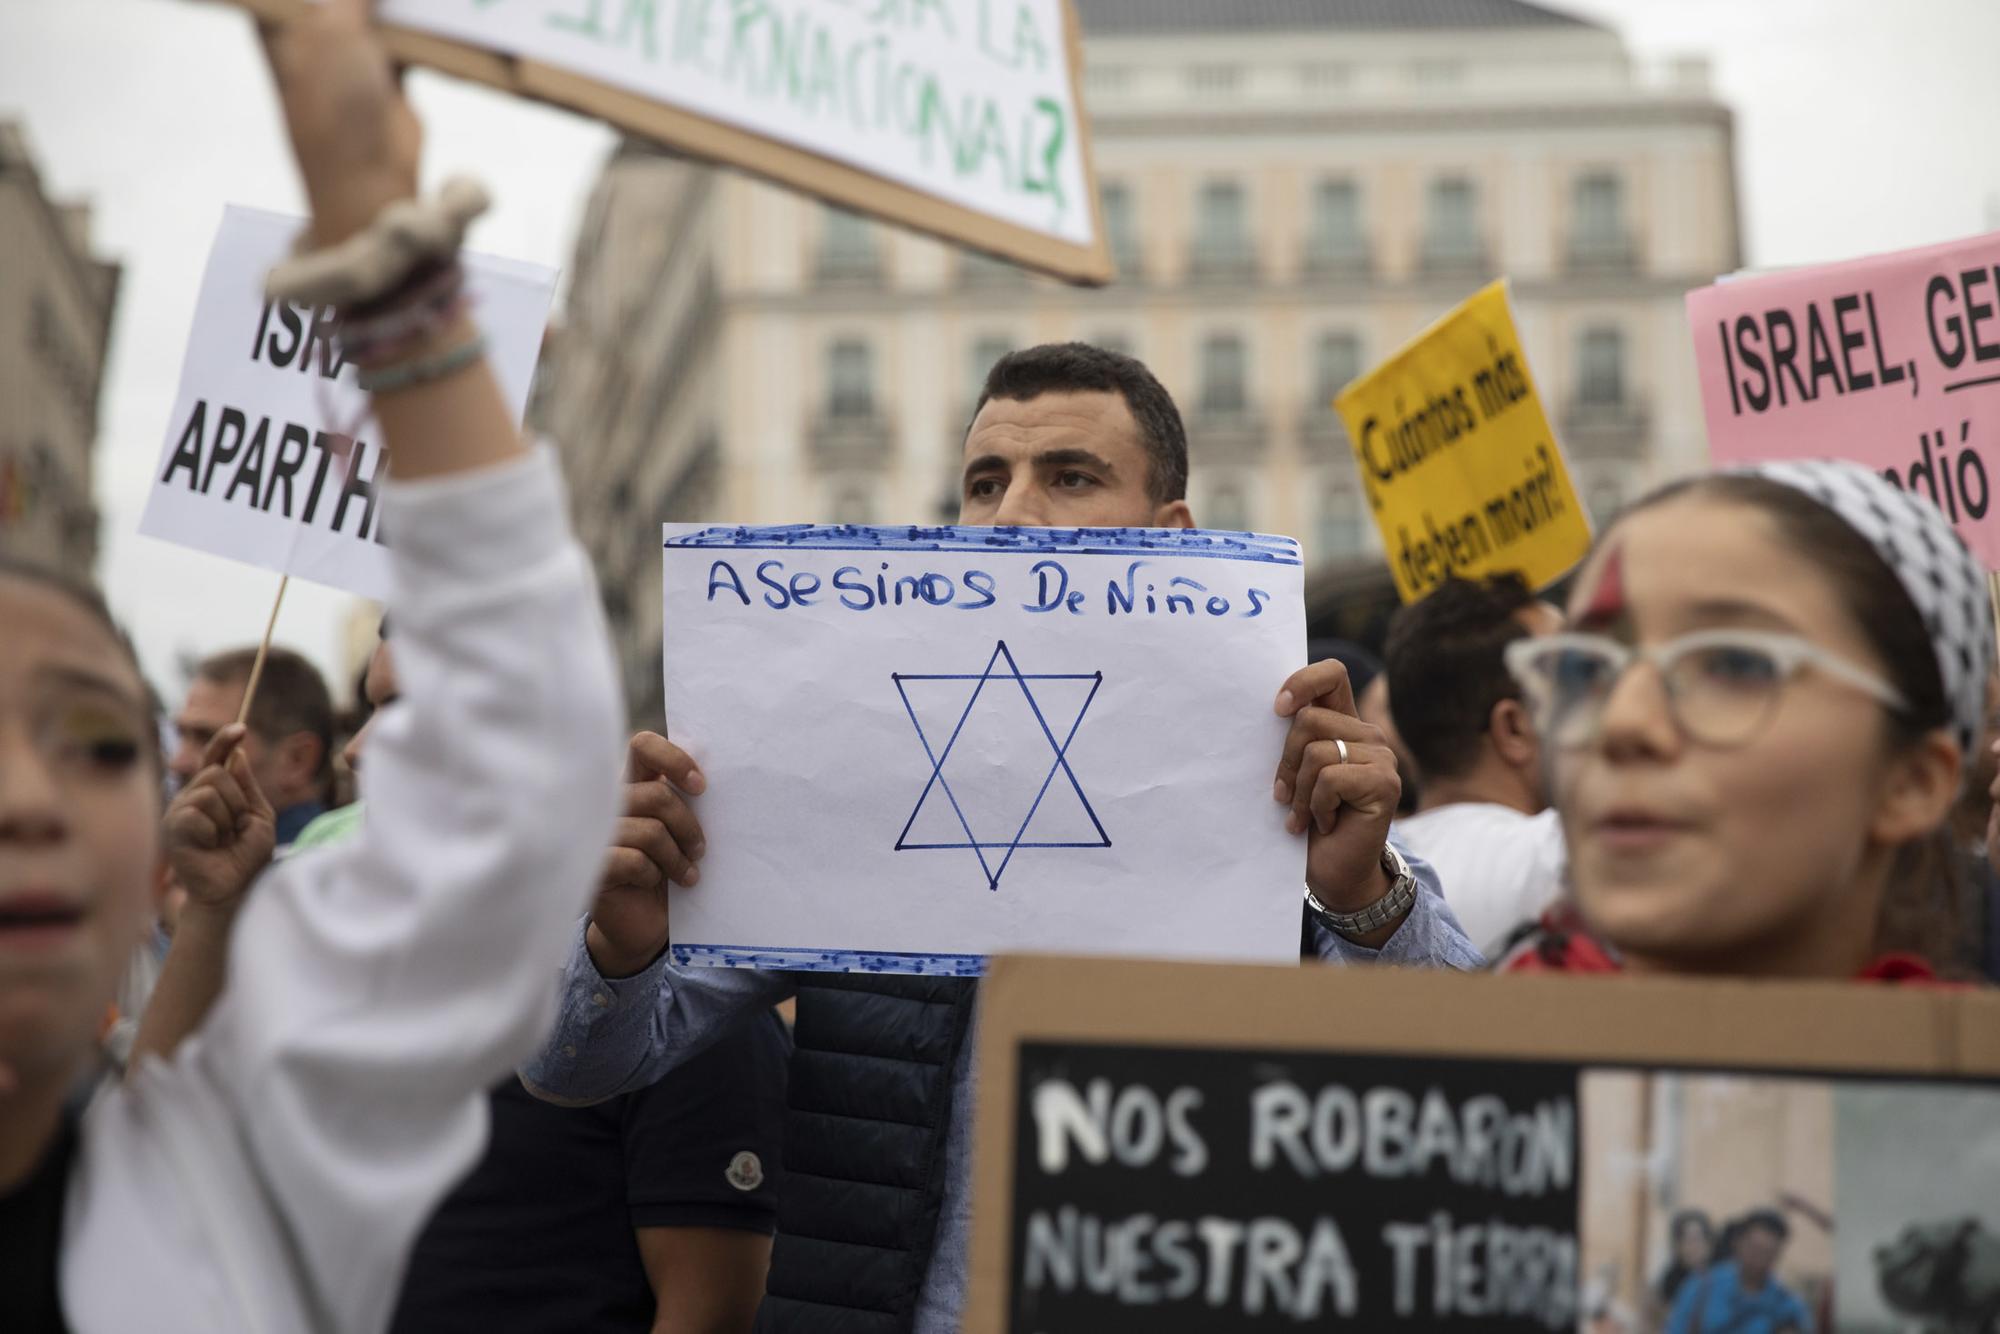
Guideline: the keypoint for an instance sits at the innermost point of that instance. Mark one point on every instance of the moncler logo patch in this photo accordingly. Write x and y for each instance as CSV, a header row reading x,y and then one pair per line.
x,y
746,1171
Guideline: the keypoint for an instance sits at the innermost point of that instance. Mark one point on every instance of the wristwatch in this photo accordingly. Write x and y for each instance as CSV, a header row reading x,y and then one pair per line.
x,y
1391,907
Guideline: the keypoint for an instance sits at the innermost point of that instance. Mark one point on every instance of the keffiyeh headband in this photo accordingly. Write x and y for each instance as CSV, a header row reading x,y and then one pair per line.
x,y
1941,578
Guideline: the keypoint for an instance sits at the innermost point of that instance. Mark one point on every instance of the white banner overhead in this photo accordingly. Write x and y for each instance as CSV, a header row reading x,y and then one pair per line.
x,y
250,468
962,118
928,745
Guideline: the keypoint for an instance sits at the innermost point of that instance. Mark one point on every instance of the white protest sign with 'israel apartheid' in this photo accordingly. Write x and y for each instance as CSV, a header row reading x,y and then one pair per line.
x,y
927,745
251,468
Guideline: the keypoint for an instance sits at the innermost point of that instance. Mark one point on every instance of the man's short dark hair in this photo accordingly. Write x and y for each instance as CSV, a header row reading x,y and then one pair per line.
x,y
1447,669
1071,368
1770,1220
291,696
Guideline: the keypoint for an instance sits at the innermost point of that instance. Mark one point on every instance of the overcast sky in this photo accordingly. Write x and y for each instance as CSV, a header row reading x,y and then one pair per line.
x,y
1862,127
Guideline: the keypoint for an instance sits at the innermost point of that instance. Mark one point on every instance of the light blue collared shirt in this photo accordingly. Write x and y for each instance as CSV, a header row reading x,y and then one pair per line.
x,y
615,1035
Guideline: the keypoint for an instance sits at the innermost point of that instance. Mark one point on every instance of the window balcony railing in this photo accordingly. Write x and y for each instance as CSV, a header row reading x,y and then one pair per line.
x,y
1603,253
1222,263
984,271
1225,432
852,438
1454,257
1321,426
1607,427
1351,260
848,268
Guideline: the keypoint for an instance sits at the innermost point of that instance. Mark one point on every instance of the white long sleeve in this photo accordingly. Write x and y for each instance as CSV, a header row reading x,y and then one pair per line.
x,y
273,1176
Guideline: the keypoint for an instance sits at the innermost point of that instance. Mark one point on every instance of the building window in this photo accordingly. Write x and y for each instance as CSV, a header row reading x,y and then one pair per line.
x,y
980,358
1222,230
1599,235
854,503
846,247
850,379
1113,340
1336,362
1222,374
1601,368
1228,508
1115,198
1213,80
1107,78
1451,223
1604,502
1600,207
1340,530
1337,237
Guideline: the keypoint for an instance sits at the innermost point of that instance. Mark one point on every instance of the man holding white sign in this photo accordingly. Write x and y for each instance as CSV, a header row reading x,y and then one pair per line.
x,y
875,1221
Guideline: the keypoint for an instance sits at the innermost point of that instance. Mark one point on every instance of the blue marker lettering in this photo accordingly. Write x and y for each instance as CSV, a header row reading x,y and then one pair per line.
x,y
980,582
1117,600
1258,597
1062,596
855,585
730,581
783,599
1185,602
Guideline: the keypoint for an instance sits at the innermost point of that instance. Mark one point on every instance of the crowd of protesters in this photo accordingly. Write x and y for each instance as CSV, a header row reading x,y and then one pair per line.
x,y
420,1062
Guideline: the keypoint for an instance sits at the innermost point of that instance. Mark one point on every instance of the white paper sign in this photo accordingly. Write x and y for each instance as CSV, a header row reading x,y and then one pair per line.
x,y
246,471
970,101
927,745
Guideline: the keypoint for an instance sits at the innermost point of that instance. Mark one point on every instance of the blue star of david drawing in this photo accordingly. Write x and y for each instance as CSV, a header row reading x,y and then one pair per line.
x,y
995,811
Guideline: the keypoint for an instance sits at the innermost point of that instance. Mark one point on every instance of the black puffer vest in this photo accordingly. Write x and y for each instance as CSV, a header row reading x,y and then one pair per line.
x,y
869,1103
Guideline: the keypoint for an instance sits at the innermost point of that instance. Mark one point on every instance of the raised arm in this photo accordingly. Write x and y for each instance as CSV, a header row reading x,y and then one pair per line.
x,y
375,989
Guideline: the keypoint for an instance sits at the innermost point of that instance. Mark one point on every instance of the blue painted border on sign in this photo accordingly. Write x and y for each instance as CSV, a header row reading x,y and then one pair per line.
x,y
794,959
1201,543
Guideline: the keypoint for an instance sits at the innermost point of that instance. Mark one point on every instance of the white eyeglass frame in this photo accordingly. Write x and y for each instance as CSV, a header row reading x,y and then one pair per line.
x,y
1790,652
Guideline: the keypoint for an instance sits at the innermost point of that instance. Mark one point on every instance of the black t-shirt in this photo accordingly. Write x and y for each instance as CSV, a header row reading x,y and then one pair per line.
x,y
31,1241
540,1236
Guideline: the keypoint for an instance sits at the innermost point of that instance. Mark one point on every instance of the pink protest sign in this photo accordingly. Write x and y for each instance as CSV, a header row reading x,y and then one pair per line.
x,y
1892,361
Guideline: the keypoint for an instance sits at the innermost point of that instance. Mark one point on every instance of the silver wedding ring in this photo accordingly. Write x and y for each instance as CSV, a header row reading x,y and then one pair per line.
x,y
1341,746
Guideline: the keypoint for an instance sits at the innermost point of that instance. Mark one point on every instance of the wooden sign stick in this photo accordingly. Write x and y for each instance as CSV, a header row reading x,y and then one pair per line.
x,y
263,649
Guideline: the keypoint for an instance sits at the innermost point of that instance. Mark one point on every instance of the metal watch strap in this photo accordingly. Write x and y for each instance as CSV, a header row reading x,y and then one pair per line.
x,y
1391,907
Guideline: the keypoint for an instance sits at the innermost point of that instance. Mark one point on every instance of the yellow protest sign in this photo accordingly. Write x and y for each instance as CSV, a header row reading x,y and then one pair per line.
x,y
1463,474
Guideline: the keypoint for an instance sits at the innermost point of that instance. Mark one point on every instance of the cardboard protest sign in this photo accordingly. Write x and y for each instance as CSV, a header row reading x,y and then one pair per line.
x,y
1166,1148
962,118
1892,362
1462,472
927,744
249,468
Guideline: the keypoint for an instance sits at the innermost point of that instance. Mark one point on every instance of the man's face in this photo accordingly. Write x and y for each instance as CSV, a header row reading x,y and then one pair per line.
x,y
1757,1250
211,706
1070,460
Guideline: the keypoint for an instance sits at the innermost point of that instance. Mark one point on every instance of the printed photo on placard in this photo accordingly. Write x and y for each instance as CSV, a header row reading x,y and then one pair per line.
x,y
1715,1201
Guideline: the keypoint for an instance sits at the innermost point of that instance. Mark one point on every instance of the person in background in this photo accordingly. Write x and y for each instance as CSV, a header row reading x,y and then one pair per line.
x,y
290,741
1742,1294
271,1176
1691,1237
651,1213
1371,704
1758,728
1483,820
875,1222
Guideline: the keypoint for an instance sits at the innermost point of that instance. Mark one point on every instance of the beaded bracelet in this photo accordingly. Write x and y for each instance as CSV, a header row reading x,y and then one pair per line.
x,y
391,327
404,375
